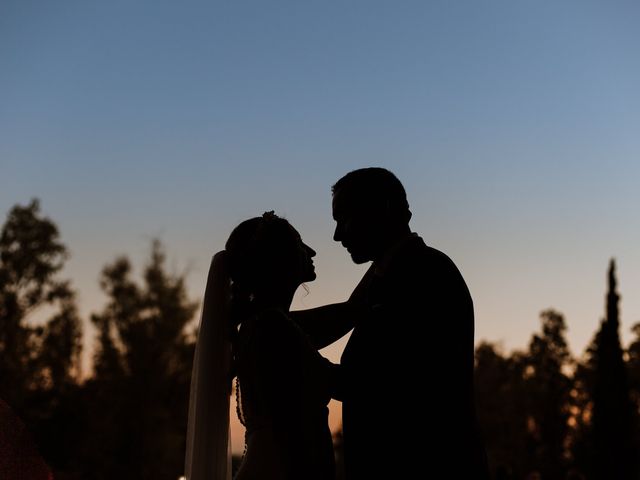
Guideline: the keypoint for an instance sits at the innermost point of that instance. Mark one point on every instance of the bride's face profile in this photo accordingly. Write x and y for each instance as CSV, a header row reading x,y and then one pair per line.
x,y
269,254
304,259
293,257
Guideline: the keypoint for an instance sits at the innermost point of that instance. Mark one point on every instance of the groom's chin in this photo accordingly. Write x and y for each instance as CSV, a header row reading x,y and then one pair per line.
x,y
358,259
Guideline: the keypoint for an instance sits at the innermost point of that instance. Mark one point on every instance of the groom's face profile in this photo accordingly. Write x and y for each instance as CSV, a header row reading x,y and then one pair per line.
x,y
357,227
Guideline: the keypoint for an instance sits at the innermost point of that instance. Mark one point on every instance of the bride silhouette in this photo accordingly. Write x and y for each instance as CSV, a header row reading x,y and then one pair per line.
x,y
282,381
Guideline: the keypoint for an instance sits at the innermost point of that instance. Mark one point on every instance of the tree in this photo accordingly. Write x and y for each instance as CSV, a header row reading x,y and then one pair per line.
x,y
40,335
45,356
501,400
548,394
142,372
580,441
607,381
633,362
633,367
523,402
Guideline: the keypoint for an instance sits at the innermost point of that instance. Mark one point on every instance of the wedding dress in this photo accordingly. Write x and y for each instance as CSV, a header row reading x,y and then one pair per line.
x,y
283,397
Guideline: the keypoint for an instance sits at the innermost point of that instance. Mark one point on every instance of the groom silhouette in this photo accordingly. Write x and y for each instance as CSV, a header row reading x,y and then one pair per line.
x,y
405,378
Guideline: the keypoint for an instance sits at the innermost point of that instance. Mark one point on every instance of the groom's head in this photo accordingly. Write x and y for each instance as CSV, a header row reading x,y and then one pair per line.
x,y
371,212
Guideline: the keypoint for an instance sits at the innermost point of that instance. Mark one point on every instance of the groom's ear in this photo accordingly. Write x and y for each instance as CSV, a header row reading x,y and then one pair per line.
x,y
388,213
391,215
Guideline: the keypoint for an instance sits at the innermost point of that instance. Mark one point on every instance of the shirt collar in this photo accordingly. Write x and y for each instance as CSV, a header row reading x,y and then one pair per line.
x,y
381,267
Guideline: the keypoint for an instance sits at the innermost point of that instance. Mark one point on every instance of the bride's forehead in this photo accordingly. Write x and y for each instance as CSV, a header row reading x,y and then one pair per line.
x,y
294,233
285,230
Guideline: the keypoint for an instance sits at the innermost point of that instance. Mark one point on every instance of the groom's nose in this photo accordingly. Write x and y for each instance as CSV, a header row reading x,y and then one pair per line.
x,y
337,234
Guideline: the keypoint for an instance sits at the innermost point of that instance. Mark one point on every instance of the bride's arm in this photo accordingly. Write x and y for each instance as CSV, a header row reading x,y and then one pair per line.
x,y
324,325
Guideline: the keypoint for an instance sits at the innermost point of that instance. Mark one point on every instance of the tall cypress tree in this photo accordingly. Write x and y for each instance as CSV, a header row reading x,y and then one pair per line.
x,y
611,420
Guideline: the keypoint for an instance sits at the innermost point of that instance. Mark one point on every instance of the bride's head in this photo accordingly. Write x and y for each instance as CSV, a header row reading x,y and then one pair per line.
x,y
268,259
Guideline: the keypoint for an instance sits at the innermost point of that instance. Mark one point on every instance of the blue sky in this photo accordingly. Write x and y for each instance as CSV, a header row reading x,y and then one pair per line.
x,y
514,126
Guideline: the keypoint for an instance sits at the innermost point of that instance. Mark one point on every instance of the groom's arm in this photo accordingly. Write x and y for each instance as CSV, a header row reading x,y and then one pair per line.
x,y
336,381
324,325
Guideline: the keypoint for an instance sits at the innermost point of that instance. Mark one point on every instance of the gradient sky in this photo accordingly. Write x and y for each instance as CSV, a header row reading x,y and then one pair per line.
x,y
515,127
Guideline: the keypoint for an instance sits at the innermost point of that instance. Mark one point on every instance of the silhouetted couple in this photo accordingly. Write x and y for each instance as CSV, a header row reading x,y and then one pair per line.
x,y
406,375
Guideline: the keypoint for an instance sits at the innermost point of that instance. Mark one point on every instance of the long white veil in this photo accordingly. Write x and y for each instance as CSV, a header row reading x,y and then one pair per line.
x,y
208,453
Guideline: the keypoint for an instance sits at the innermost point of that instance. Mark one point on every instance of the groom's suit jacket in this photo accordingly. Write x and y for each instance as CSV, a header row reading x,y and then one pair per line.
x,y
406,374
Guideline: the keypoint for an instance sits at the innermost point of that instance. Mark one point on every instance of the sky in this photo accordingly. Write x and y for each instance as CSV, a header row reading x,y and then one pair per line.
x,y
514,126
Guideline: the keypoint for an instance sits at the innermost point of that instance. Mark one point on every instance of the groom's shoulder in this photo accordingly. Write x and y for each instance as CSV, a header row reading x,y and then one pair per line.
x,y
419,251
439,256
425,258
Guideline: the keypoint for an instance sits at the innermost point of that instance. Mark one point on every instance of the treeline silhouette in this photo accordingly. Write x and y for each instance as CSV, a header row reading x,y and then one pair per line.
x,y
544,413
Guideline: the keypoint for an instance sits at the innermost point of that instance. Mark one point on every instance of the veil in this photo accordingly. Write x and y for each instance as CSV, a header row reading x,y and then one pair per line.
x,y
208,453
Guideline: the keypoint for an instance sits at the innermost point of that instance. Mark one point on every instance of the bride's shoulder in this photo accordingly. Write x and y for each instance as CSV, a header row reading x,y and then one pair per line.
x,y
276,326
270,336
270,321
